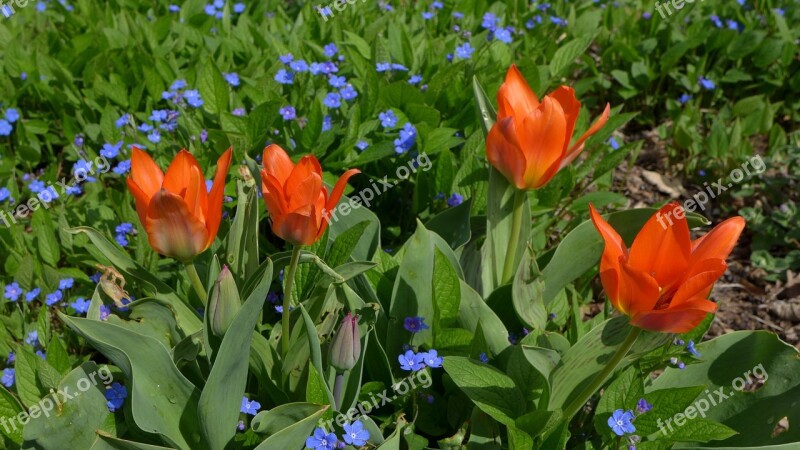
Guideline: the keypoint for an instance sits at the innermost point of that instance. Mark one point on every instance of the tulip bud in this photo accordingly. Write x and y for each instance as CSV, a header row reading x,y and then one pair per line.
x,y
346,346
224,303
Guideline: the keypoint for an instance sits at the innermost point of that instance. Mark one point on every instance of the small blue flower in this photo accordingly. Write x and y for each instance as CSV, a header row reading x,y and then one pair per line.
x,y
299,66
321,441
177,85
5,127
684,98
415,324
414,79
388,119
348,92
32,294
111,151
613,143
239,112
362,145
122,240
692,350
717,22
284,77
250,406
355,434
105,311
337,81
115,396
232,78
411,361
12,115
287,58
432,359
620,422
408,136
36,186
193,98
5,194
122,121
53,298
642,406
13,291
327,123
174,8
332,100
330,50
383,67
484,358
464,51
80,305
123,167
427,15
706,83
288,112
66,283
8,377
33,338
504,35
490,21
455,200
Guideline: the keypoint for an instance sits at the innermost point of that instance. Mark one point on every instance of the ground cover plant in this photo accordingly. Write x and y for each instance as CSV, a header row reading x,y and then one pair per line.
x,y
399,225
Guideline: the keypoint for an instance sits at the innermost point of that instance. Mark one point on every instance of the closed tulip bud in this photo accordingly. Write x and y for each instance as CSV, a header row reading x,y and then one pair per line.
x,y
346,346
224,303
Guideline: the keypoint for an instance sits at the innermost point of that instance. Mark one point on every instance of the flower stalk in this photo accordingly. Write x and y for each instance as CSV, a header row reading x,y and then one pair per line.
x,y
287,298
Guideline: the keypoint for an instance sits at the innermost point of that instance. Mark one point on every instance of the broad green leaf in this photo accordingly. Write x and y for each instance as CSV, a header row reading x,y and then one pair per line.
x,y
491,390
287,426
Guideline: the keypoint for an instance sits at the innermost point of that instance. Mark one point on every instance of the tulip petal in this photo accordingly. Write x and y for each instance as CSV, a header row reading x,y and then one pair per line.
x,y
273,195
173,231
179,173
504,154
565,96
662,249
614,245
304,183
719,242
542,142
700,284
333,199
679,319
299,227
577,147
515,97
216,196
277,163
638,291
145,173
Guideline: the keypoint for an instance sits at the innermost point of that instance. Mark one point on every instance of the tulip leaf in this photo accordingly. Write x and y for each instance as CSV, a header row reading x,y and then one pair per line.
x,y
186,317
221,399
475,314
241,244
581,249
73,420
527,293
753,410
485,108
316,350
491,390
107,442
287,426
160,396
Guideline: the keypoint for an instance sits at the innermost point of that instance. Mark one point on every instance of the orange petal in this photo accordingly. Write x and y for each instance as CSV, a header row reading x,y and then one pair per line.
x,y
718,243
662,249
638,291
504,154
141,198
273,195
277,163
700,283
145,173
298,227
179,173
614,245
216,196
542,142
172,230
577,147
304,183
515,97
565,96
338,189
679,319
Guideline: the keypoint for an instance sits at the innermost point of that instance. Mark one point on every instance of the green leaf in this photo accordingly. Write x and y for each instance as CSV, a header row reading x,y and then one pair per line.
x,y
453,224
29,388
567,54
491,390
221,398
485,109
287,426
45,235
10,407
527,293
213,89
160,396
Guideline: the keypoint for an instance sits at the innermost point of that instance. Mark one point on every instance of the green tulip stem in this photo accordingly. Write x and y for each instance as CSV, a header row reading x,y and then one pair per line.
x,y
513,238
287,299
601,377
194,278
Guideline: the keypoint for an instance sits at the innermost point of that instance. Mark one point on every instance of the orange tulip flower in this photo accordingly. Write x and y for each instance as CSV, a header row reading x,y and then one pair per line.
x,y
530,142
298,203
663,281
180,216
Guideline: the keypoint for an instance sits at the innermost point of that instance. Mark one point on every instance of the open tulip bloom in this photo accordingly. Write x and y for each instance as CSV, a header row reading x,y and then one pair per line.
x,y
181,217
530,142
662,282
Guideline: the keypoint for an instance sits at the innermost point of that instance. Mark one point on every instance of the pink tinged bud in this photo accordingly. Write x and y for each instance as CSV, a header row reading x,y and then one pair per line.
x,y
224,303
346,346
